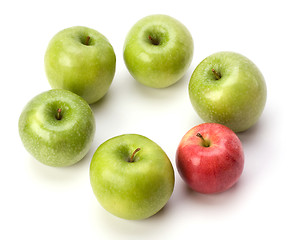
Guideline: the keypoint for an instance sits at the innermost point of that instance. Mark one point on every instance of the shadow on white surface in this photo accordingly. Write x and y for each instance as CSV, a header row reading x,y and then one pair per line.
x,y
136,229
165,94
251,135
59,177
213,201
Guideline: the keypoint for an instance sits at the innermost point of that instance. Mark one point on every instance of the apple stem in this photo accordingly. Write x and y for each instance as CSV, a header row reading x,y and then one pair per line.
x,y
87,40
205,143
132,156
58,114
217,75
153,40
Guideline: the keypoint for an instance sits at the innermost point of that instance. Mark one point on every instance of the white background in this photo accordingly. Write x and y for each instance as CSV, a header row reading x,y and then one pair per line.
x,y
40,202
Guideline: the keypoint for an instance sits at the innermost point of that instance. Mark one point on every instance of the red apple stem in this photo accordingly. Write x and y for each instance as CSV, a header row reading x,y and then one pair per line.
x,y
217,75
87,40
58,114
204,142
133,154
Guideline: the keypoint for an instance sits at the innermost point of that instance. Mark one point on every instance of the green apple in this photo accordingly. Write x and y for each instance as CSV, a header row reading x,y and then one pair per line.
x,y
158,51
81,60
229,89
131,176
57,127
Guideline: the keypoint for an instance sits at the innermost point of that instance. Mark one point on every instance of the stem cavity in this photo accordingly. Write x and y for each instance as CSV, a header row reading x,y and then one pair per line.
x,y
58,115
217,75
154,41
205,143
87,40
133,154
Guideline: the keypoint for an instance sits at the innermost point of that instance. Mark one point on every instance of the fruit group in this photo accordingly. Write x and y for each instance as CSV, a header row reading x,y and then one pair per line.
x,y
158,51
131,176
81,60
210,158
57,127
227,88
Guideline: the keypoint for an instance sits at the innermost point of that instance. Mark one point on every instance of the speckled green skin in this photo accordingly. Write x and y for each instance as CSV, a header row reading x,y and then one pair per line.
x,y
55,142
87,70
237,99
161,65
131,190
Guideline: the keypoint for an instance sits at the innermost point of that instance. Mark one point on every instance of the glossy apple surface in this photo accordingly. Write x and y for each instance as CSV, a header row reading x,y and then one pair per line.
x,y
229,89
210,158
131,176
81,60
57,127
158,51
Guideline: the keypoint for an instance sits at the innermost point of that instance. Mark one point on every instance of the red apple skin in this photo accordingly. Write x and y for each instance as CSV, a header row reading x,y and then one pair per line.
x,y
211,169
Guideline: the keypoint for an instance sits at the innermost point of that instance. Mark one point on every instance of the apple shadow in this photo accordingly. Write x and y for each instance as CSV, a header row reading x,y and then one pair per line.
x,y
261,150
55,176
161,93
250,135
131,228
97,106
221,199
261,128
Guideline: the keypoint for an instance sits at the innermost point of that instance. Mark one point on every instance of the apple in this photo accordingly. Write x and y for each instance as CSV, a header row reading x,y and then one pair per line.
x,y
158,51
57,127
81,60
131,176
229,89
210,158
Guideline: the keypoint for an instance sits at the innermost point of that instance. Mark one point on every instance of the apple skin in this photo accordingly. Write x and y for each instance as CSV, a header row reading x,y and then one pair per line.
x,y
54,142
158,65
131,190
86,69
211,169
237,99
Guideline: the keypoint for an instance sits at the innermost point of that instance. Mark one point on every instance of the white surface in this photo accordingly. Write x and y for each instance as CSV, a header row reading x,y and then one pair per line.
x,y
40,202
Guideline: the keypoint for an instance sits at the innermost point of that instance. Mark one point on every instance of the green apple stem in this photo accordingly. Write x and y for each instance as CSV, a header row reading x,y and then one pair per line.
x,y
133,154
217,75
58,114
204,142
87,40
153,40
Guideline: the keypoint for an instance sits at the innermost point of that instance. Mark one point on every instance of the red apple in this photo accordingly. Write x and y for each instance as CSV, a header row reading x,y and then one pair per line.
x,y
210,158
